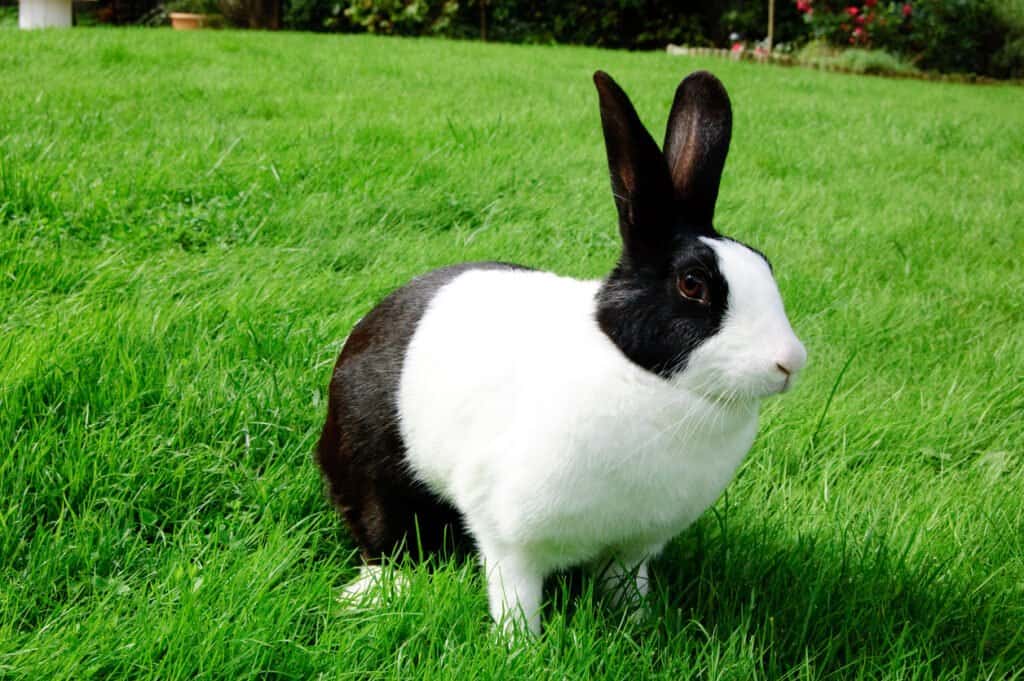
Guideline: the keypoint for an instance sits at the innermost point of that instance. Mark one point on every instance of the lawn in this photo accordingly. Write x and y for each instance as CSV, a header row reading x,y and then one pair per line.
x,y
191,223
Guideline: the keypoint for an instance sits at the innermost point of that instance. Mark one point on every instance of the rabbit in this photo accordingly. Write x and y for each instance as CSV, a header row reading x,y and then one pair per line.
x,y
553,422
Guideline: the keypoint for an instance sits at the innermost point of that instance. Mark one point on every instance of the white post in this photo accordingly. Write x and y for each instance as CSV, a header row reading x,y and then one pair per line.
x,y
44,13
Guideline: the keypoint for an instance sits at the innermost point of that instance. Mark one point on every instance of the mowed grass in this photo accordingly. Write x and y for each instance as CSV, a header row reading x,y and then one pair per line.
x,y
190,224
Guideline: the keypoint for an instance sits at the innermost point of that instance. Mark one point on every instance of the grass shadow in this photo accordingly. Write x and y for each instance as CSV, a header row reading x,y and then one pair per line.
x,y
832,603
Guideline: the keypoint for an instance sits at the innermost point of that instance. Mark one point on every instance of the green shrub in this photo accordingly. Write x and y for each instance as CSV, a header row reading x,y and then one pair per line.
x,y
193,6
8,16
634,24
961,36
631,24
401,17
314,15
1010,11
1009,60
866,23
858,60
955,36
873,61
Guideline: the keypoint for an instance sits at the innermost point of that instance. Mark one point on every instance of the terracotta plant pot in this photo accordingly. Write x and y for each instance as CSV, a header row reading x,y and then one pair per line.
x,y
184,21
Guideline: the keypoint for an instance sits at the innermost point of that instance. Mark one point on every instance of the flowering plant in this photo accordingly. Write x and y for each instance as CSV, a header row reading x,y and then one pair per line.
x,y
863,23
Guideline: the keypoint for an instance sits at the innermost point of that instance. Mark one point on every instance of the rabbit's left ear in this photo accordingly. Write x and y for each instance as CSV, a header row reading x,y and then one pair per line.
x,y
696,144
640,181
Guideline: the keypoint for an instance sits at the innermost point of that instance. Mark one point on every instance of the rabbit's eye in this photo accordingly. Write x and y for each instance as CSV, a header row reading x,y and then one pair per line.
x,y
693,285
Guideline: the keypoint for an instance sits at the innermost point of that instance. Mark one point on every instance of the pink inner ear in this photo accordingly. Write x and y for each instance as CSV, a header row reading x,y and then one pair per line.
x,y
682,166
628,178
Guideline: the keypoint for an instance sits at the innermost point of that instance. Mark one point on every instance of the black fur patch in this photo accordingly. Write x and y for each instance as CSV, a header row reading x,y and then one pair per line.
x,y
666,202
361,452
641,310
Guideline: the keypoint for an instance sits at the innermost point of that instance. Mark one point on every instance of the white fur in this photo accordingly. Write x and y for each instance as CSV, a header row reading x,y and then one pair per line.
x,y
557,449
360,589
740,361
372,587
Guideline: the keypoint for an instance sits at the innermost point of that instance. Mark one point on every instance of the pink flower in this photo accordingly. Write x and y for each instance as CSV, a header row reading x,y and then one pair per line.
x,y
737,47
803,6
852,11
858,32
859,20
907,10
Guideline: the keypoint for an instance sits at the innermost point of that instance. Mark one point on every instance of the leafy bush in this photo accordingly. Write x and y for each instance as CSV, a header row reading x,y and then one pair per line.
x,y
1009,60
965,36
978,36
873,61
389,17
251,13
631,24
609,23
8,16
856,59
841,23
193,6
402,17
315,15
958,36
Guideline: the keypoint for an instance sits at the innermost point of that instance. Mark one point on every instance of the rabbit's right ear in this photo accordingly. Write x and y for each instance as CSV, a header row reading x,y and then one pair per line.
x,y
696,144
640,177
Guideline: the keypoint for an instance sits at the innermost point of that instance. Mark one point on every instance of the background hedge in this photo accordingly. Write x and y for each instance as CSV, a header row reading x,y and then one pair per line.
x,y
966,36
958,36
984,37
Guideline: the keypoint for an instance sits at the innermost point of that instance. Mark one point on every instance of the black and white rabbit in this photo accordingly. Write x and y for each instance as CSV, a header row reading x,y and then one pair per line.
x,y
561,422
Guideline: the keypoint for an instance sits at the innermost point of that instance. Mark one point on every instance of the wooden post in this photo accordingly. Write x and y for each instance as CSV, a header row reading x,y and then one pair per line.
x,y
771,24
483,20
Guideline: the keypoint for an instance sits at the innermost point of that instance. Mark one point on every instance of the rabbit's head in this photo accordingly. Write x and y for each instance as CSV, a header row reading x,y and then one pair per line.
x,y
684,302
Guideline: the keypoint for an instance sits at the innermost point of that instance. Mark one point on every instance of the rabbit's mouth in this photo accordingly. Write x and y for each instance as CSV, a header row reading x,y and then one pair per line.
x,y
729,382
776,383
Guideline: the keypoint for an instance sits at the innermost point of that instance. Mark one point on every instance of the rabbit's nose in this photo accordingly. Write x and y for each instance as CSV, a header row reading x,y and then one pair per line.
x,y
792,359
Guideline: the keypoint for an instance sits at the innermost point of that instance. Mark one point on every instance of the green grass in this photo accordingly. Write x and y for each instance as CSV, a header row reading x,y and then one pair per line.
x,y
191,223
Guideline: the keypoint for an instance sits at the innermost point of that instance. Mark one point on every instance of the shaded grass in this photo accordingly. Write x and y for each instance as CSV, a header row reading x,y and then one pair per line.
x,y
190,224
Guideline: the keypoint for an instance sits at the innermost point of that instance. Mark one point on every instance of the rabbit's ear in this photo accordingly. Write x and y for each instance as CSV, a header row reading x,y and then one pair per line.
x,y
640,179
696,144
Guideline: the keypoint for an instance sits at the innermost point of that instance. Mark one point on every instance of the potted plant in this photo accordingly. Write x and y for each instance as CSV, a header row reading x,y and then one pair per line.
x,y
188,15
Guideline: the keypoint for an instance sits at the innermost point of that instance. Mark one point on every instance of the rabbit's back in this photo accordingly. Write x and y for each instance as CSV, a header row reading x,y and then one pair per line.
x,y
361,452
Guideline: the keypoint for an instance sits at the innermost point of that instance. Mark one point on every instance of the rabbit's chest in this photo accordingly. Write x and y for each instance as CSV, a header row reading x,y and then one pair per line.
x,y
630,487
